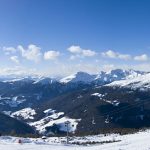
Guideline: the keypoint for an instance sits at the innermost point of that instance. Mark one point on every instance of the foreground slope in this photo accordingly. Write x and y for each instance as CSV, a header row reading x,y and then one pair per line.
x,y
137,141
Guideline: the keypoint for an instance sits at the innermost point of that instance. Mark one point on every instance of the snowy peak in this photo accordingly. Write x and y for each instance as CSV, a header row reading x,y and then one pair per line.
x,y
78,77
124,74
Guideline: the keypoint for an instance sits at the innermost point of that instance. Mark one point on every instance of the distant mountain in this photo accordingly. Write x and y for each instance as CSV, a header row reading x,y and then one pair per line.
x,y
102,77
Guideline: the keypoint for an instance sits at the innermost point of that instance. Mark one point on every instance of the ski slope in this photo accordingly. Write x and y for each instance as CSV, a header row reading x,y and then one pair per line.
x,y
138,141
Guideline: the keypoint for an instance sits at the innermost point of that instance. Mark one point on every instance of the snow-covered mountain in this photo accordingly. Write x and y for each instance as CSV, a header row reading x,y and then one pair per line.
x,y
78,77
118,74
142,82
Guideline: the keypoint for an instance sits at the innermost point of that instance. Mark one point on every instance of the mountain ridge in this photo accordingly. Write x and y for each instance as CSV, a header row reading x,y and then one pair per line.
x,y
102,76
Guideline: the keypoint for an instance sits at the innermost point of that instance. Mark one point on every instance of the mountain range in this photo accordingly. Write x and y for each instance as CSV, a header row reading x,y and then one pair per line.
x,y
91,103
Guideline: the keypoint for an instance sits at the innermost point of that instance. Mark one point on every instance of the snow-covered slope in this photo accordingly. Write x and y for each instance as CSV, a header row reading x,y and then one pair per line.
x,y
53,118
142,82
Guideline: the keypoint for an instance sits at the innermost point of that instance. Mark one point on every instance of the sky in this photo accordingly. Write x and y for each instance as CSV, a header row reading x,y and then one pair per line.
x,y
61,37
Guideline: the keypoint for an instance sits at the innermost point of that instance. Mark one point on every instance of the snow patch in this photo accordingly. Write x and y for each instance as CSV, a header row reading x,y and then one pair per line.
x,y
49,122
26,113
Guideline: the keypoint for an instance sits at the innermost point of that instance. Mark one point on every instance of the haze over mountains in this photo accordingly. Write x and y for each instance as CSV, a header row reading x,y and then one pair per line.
x,y
112,75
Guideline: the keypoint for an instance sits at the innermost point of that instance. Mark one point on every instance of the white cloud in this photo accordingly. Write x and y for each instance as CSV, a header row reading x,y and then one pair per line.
x,y
17,70
143,57
31,53
72,57
9,50
80,52
88,53
34,53
75,49
51,55
112,54
15,59
124,56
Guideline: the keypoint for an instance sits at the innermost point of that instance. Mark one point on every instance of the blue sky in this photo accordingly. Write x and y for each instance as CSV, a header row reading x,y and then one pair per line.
x,y
65,36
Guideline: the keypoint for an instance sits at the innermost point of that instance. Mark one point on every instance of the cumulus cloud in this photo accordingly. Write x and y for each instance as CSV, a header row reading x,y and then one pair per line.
x,y
33,52
143,57
112,54
75,49
14,59
79,52
51,55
